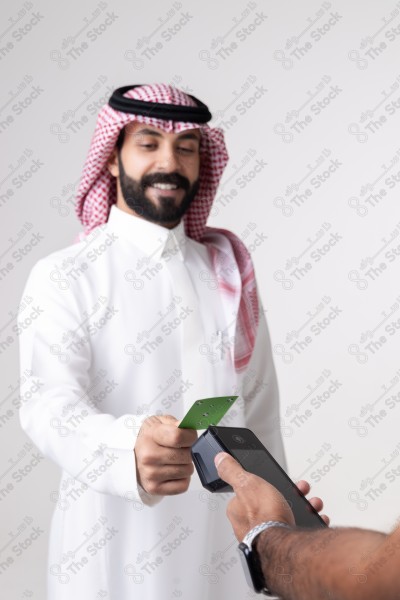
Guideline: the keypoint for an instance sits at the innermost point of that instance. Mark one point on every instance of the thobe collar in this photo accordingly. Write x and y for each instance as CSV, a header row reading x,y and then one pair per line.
x,y
154,240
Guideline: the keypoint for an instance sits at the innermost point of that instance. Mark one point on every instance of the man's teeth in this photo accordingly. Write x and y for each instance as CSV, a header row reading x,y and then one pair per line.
x,y
165,186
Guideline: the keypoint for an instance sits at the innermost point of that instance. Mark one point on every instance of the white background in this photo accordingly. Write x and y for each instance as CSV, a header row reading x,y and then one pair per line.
x,y
309,96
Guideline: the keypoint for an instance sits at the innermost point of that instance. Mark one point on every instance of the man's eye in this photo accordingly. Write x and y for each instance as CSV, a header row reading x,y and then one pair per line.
x,y
147,145
186,150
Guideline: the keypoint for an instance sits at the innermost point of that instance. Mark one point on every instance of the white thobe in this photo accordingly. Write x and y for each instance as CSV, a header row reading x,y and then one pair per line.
x,y
105,351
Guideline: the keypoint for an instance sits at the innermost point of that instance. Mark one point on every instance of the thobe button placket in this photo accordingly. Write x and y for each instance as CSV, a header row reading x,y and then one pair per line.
x,y
191,327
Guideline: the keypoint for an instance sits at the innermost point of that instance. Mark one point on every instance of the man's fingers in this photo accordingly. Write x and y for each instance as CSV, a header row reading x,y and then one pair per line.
x,y
164,431
172,437
326,519
169,472
226,466
158,455
303,486
219,458
316,503
172,488
186,437
160,479
230,470
168,419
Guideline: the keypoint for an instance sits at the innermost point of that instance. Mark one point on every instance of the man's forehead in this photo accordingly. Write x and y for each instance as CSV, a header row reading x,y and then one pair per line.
x,y
139,129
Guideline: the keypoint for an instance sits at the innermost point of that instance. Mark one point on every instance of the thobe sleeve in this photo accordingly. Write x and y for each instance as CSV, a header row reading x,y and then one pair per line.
x,y
261,394
93,447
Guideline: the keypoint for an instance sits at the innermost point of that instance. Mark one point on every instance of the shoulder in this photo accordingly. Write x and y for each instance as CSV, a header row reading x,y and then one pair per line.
x,y
58,261
53,279
63,262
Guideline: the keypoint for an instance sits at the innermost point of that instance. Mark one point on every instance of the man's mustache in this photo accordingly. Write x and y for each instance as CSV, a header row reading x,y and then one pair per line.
x,y
172,178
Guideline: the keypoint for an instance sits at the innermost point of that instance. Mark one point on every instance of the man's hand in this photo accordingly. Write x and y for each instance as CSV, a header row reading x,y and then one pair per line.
x,y
317,503
255,501
163,460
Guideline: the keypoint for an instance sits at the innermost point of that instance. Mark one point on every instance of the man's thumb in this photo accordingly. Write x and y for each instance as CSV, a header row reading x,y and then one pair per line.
x,y
228,468
219,458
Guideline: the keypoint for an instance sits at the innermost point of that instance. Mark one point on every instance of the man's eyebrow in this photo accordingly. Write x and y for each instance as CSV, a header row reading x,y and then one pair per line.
x,y
147,132
184,136
189,136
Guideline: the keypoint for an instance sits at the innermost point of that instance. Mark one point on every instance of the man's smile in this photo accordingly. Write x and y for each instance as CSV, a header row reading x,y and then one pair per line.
x,y
165,186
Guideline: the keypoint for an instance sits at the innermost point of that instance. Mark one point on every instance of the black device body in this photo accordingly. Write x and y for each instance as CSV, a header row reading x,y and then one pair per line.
x,y
246,448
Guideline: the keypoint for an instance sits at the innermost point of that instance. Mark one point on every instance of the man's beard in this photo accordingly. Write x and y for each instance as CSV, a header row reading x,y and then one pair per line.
x,y
167,211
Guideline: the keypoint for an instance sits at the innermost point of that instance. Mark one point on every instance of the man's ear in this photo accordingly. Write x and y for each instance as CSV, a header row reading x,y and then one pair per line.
x,y
112,163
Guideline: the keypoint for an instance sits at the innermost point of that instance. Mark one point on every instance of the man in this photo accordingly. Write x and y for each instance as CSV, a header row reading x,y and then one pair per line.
x,y
149,312
299,564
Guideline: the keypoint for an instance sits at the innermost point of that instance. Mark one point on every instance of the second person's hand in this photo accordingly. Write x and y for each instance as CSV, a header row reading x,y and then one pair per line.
x,y
163,459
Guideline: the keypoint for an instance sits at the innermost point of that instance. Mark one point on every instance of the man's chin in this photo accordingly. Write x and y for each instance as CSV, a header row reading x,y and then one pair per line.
x,y
164,213
159,206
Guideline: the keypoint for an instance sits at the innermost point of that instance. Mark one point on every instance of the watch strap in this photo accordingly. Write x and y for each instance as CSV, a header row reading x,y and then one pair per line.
x,y
252,558
253,533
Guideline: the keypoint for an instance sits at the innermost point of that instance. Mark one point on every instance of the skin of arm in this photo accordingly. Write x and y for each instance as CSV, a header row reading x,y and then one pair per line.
x,y
325,564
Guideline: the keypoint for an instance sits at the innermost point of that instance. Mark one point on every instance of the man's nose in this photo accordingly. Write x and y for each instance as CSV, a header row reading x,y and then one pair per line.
x,y
167,160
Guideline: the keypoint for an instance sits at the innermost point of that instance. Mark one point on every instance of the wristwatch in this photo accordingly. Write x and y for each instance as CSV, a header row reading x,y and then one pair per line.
x,y
250,559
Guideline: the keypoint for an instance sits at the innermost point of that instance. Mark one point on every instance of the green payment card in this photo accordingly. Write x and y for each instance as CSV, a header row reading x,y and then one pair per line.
x,y
206,412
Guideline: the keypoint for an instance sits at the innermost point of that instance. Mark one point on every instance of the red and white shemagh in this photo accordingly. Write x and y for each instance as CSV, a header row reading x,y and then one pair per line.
x,y
97,192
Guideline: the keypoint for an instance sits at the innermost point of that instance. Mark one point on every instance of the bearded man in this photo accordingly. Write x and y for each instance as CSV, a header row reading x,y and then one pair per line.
x,y
149,312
